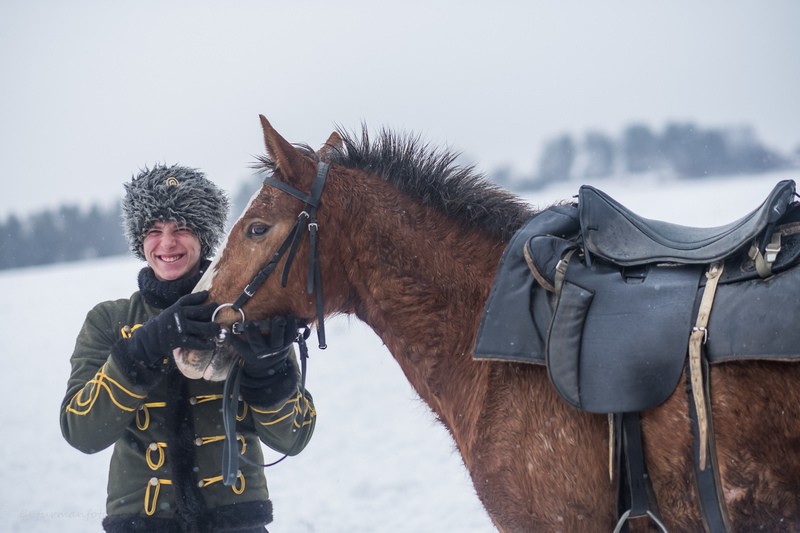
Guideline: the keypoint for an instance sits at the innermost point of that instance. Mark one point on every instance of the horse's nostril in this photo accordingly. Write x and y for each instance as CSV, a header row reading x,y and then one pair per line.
x,y
192,363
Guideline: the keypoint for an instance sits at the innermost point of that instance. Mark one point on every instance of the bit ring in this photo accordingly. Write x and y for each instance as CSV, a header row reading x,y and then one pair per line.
x,y
214,315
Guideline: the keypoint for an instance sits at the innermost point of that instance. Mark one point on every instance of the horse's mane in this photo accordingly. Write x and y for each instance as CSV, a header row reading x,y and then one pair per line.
x,y
432,176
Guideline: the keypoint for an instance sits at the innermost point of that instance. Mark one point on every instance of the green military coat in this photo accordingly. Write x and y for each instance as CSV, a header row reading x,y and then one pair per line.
x,y
167,433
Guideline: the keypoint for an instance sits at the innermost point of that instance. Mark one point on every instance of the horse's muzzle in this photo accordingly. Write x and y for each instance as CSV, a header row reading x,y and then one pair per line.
x,y
211,365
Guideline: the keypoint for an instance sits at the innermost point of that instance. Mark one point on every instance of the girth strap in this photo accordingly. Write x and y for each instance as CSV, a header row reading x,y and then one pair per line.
x,y
697,339
709,489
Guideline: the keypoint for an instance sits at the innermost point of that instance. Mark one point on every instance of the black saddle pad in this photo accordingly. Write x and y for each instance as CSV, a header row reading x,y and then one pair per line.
x,y
517,313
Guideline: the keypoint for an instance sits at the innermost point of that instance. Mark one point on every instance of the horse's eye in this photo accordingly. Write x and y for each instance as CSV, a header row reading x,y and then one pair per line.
x,y
257,230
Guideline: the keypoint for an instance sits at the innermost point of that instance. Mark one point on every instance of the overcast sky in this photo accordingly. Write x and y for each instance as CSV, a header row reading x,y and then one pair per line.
x,y
93,91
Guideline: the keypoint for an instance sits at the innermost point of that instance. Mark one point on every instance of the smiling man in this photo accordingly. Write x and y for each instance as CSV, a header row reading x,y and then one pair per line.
x,y
172,251
125,390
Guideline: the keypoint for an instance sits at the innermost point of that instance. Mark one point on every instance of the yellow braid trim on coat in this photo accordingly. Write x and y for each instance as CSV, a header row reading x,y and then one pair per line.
x,y
159,447
83,401
143,421
295,409
237,488
203,398
155,485
202,441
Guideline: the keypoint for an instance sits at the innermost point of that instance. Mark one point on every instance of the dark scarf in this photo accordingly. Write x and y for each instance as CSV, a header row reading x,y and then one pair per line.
x,y
162,294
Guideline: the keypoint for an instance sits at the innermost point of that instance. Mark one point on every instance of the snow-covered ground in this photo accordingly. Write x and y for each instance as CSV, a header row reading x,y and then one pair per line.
x,y
378,462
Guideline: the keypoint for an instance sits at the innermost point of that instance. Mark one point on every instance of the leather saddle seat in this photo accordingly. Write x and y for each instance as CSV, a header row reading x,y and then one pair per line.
x,y
615,233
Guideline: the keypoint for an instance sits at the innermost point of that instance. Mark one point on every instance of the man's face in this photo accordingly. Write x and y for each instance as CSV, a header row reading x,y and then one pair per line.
x,y
171,251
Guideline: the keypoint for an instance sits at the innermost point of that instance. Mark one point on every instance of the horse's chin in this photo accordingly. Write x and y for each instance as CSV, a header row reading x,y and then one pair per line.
x,y
210,365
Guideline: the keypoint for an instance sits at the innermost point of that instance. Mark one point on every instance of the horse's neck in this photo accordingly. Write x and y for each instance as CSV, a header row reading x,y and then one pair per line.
x,y
421,284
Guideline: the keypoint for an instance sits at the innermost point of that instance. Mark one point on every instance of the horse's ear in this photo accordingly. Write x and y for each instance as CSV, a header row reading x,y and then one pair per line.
x,y
288,160
333,145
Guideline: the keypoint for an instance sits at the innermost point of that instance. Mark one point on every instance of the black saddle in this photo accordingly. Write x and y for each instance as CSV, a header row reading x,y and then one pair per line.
x,y
607,299
614,304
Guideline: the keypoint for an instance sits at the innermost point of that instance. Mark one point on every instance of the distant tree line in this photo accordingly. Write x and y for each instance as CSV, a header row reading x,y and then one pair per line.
x,y
680,150
57,235
69,233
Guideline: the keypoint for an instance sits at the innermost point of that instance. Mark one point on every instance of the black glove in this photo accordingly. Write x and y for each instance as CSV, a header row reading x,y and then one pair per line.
x,y
264,345
184,324
268,376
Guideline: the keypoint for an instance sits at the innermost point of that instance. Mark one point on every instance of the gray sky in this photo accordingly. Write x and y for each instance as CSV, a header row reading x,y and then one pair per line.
x,y
93,91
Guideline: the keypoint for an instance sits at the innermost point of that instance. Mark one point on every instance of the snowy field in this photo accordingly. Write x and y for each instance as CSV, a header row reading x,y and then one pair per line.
x,y
378,462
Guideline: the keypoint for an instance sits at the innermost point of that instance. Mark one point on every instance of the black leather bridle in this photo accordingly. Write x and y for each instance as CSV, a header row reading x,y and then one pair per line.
x,y
230,398
306,219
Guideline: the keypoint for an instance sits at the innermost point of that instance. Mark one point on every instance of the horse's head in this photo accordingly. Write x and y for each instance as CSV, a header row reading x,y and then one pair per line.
x,y
263,268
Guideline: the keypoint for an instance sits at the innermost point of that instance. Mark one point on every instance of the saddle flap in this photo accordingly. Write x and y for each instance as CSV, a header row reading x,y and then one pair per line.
x,y
615,233
618,340
510,329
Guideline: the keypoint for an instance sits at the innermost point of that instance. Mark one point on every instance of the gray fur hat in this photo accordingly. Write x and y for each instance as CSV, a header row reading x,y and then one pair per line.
x,y
175,194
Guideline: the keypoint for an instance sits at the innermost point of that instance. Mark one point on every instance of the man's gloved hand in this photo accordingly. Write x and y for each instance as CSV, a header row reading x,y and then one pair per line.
x,y
269,375
264,345
184,324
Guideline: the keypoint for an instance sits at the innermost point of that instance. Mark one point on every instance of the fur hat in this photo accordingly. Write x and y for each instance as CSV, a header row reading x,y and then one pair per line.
x,y
175,194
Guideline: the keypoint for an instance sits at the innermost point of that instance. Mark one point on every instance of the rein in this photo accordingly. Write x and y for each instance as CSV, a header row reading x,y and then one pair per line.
x,y
230,398
230,401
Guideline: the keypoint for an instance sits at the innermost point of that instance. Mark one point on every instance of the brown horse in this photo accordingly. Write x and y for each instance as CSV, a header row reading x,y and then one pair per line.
x,y
410,243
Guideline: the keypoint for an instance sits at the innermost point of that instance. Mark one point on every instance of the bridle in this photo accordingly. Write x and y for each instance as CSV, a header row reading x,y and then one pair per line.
x,y
230,398
306,219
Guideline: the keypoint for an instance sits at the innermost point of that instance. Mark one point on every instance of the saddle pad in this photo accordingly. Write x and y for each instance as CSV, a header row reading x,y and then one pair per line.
x,y
616,343
756,319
